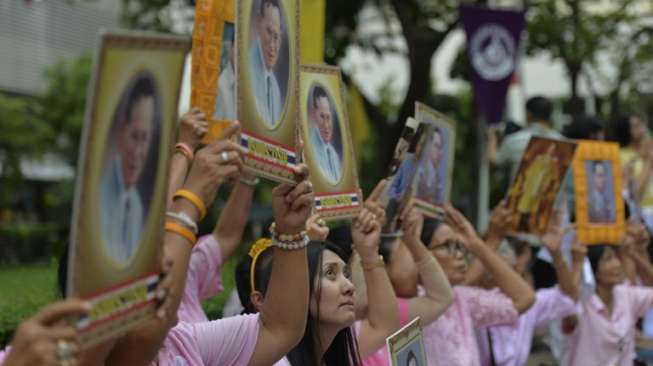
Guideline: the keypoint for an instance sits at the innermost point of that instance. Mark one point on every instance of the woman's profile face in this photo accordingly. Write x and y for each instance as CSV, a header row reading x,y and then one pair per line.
x,y
336,292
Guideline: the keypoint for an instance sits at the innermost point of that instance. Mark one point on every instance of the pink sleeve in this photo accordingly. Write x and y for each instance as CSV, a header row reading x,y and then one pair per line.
x,y
224,342
551,304
3,354
203,279
487,307
641,299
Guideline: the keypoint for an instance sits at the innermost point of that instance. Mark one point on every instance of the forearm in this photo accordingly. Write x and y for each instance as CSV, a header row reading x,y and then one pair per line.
x,y
508,280
476,271
383,309
439,294
284,310
566,279
178,170
231,225
644,268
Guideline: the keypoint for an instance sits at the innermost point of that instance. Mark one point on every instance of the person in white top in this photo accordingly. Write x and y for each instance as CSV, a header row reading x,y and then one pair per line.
x,y
264,55
121,210
225,103
322,135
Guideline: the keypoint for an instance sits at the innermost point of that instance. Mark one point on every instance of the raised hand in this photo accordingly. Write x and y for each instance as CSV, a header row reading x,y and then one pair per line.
x,y
366,235
412,222
500,220
192,128
372,202
215,164
48,338
292,204
316,228
463,227
552,238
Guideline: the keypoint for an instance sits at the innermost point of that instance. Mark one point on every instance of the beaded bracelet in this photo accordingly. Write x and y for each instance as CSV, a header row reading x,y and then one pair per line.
x,y
194,199
173,227
185,150
285,237
250,182
184,219
292,245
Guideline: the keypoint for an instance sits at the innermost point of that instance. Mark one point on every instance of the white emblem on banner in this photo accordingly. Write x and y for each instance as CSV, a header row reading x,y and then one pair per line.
x,y
493,52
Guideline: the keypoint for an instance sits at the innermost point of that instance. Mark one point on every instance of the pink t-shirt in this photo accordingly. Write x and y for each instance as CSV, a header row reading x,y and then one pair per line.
x,y
224,342
601,338
451,339
511,344
382,356
3,354
203,279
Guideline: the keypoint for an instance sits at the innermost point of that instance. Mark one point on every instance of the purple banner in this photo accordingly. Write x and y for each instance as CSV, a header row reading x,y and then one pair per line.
x,y
493,38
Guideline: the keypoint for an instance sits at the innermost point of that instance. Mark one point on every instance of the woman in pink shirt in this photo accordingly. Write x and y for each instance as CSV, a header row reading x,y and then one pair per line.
x,y
603,332
329,338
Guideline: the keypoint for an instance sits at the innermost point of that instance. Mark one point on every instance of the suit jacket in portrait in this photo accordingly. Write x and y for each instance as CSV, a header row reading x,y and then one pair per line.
x,y
225,103
327,157
265,87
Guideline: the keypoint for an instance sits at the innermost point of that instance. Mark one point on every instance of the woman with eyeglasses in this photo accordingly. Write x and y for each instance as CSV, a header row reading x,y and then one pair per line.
x,y
451,339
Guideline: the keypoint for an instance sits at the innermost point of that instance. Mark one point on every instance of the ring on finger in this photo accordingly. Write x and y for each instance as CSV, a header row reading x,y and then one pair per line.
x,y
224,156
64,351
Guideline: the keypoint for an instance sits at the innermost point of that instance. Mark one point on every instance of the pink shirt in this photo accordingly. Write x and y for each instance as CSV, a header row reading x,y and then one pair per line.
x,y
224,342
511,344
601,338
451,339
203,279
382,356
3,354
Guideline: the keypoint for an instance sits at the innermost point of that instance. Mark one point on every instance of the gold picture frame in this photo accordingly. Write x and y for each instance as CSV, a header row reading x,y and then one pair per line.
x,y
431,198
332,163
121,186
213,64
600,211
406,345
267,38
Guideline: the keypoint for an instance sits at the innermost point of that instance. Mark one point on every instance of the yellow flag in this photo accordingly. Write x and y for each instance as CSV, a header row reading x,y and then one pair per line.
x,y
358,121
312,31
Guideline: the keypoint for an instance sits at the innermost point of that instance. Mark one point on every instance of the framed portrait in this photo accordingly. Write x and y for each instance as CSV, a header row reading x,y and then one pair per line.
x,y
267,39
120,193
213,71
533,192
328,148
600,212
433,182
406,346
401,171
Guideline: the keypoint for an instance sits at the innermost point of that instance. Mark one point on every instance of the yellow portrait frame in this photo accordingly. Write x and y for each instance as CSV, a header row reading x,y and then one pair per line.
x,y
271,151
340,200
122,296
598,233
210,18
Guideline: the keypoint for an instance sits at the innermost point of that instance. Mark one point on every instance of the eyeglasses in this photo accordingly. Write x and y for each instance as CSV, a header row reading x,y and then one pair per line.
x,y
451,247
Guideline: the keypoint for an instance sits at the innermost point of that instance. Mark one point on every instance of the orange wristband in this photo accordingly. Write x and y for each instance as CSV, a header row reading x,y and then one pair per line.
x,y
194,199
185,150
178,229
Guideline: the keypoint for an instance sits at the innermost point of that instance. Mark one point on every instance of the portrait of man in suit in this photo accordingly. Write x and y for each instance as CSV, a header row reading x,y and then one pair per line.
x,y
600,195
122,198
323,121
264,57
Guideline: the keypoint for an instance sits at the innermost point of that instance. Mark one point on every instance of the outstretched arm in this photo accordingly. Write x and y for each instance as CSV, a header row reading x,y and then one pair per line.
x,y
228,231
552,240
509,281
439,294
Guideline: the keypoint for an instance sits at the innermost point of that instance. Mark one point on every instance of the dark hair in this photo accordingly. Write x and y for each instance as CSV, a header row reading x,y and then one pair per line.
x,y
583,127
622,129
318,92
143,87
540,108
594,254
411,356
341,237
62,271
265,3
429,228
243,278
417,137
344,348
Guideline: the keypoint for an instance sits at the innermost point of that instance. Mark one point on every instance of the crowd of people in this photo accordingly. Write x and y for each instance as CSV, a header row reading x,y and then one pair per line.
x,y
307,294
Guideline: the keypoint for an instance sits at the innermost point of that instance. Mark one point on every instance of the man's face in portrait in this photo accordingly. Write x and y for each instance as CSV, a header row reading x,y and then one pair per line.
x,y
269,31
323,118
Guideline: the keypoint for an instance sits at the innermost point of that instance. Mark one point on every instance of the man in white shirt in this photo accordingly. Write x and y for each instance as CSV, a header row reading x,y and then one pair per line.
x,y
322,135
264,55
225,103
121,210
